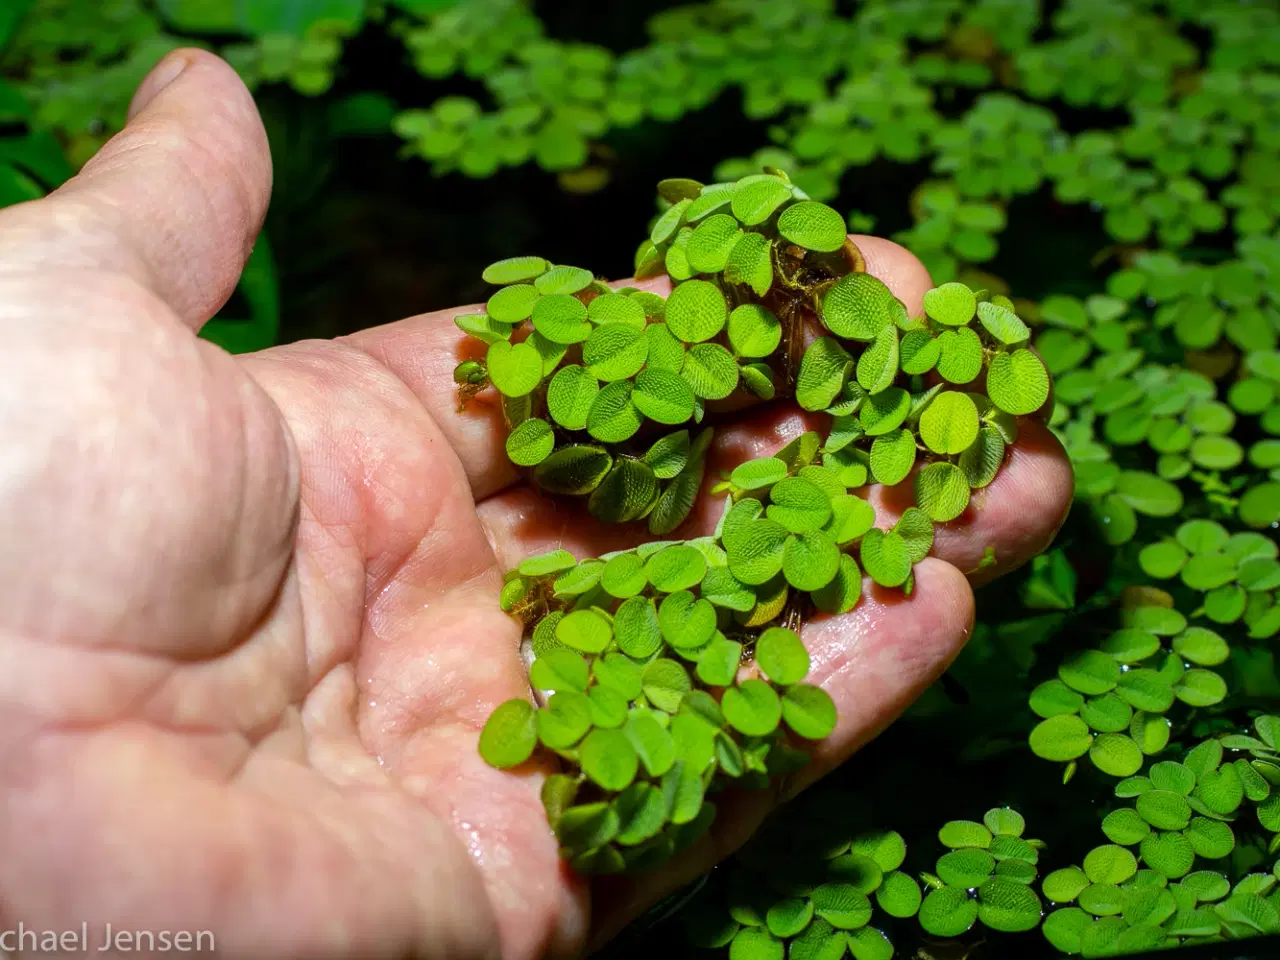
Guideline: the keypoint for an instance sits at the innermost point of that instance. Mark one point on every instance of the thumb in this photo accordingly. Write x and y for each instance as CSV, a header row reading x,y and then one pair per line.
x,y
175,200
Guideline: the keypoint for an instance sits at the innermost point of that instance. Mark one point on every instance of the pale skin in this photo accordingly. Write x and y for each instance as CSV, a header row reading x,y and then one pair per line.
x,y
249,628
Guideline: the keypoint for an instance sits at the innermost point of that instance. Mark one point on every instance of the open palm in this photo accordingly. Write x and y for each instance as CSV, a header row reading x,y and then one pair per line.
x,y
250,631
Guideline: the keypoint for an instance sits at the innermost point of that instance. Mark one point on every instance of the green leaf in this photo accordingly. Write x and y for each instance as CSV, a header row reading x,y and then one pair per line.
x,y
1145,689
674,568
1201,646
559,669
1107,714
675,189
623,576
625,493
666,352
1053,698
1125,826
512,305
614,416
981,461
588,631
753,943
1092,672
609,759
665,684
1200,688
814,226
798,505
642,305
570,395
483,327
857,307
1102,899
1130,645
1003,324
696,311
718,662
1061,738
564,720
919,351
842,593
545,564
562,281
530,443
899,895
948,912
710,371
687,623
514,368
1008,906
752,707
615,352
960,356
755,551
885,557
663,396
781,656
712,241
509,735
878,364
1164,809
651,741
618,673
885,411
1115,754
942,491
751,263
1211,839
758,474
893,455
515,270
1259,507
561,318
1063,886
754,331
635,626
755,198
788,917
588,826
1017,382
823,371
949,425
810,560
1169,854
1110,864
966,868
1065,929
641,812
758,378
951,304
842,905
714,196
668,455
809,711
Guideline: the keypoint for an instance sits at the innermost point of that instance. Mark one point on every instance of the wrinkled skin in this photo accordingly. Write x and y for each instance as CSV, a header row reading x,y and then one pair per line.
x,y
249,629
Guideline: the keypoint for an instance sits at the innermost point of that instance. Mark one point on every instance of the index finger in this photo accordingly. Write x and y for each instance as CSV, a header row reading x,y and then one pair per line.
x,y
422,352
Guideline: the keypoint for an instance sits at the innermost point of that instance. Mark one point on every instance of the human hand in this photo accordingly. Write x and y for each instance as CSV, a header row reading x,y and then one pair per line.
x,y
250,625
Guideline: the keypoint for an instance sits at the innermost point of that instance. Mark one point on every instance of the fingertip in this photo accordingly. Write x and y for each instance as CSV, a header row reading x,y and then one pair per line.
x,y
1029,501
899,268
175,199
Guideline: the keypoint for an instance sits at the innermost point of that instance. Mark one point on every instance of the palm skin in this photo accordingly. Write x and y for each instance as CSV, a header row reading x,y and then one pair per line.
x,y
250,632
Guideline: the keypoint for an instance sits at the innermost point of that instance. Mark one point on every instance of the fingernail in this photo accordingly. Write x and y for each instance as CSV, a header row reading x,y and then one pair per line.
x,y
161,75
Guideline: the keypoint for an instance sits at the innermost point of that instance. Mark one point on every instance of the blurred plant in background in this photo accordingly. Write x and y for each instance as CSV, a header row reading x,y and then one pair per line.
x,y
1116,161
